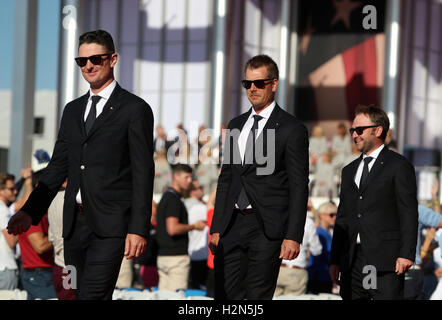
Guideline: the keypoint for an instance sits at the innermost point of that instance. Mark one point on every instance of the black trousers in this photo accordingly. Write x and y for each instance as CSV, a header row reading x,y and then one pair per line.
x,y
368,285
96,260
246,261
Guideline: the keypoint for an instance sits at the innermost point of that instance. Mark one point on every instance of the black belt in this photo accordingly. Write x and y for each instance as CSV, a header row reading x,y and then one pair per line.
x,y
38,269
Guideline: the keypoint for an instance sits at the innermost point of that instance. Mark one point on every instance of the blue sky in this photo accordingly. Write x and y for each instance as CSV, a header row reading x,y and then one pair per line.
x,y
47,43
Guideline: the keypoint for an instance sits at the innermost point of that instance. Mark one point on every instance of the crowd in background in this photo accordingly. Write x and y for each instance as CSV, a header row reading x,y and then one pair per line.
x,y
184,193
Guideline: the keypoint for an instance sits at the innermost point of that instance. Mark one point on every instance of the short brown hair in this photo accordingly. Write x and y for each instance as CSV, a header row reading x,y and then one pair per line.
x,y
100,37
263,60
377,116
5,177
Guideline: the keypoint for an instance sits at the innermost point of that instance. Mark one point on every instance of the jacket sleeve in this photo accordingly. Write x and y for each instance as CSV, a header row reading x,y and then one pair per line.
x,y
407,208
52,177
140,140
297,166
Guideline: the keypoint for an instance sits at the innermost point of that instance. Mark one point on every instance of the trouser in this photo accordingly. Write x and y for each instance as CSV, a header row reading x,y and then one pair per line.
x,y
8,279
246,261
38,283
291,281
357,285
96,260
173,272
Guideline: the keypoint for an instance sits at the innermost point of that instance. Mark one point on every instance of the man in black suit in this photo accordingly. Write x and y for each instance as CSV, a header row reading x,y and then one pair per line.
x,y
105,149
374,240
260,206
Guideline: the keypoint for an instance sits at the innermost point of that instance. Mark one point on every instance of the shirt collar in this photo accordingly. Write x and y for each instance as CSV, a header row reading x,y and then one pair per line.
x,y
106,92
266,112
375,153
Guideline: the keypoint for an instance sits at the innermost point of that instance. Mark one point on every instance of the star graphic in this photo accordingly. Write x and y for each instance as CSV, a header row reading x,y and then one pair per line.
x,y
305,40
343,11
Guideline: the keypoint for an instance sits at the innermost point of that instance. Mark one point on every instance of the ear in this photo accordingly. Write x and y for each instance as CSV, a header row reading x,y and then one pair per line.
x,y
275,85
114,59
379,131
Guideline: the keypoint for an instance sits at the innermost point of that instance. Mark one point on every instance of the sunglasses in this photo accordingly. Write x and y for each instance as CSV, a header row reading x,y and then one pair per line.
x,y
332,215
360,130
95,59
260,83
11,189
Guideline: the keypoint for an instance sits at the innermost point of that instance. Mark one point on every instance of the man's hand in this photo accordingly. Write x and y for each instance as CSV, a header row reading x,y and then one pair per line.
x,y
289,249
402,265
334,274
200,225
135,246
438,272
213,244
19,223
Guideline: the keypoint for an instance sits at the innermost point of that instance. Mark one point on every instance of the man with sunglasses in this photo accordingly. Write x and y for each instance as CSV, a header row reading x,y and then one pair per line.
x,y
259,217
375,235
105,149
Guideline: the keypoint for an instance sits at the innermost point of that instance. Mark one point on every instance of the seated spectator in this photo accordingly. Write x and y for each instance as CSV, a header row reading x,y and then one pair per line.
x,y
163,172
318,269
317,145
325,184
198,239
341,147
8,266
210,264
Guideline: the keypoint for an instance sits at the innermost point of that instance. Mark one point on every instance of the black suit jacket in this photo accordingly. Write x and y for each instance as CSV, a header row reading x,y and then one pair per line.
x,y
280,198
113,165
384,212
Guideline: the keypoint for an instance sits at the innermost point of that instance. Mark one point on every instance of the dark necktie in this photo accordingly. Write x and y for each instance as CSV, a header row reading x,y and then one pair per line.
x,y
92,114
243,202
365,171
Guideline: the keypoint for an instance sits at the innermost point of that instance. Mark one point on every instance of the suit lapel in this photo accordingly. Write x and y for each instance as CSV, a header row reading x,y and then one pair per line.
x,y
376,169
109,108
353,170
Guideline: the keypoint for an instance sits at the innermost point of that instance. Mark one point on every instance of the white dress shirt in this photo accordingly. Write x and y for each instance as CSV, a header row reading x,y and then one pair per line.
x,y
105,95
374,155
242,140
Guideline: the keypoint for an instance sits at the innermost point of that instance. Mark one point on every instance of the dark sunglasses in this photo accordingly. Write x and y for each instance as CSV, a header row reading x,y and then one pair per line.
x,y
11,189
332,215
360,130
260,83
95,59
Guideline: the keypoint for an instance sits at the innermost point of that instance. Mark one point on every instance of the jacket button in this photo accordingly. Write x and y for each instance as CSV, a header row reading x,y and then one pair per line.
x,y
359,215
360,197
82,167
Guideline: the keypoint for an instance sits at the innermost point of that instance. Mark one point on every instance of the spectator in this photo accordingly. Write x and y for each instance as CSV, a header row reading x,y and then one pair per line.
x,y
8,266
163,172
341,147
437,293
207,173
318,269
210,257
293,277
160,142
325,182
37,261
317,145
172,232
414,277
198,239
55,230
